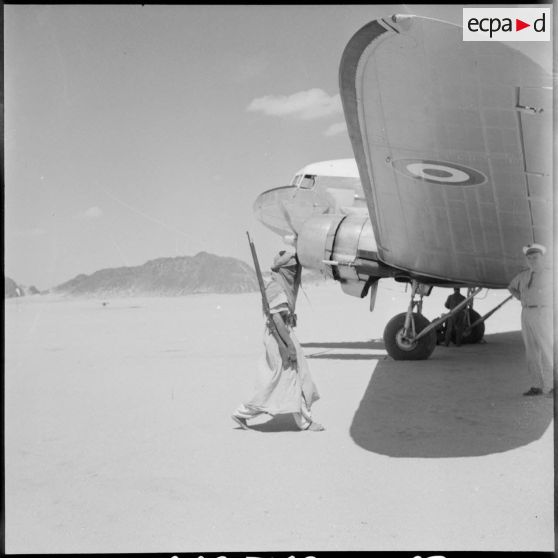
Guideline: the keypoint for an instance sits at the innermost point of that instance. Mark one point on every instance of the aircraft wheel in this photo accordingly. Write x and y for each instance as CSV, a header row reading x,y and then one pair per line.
x,y
441,333
477,333
400,348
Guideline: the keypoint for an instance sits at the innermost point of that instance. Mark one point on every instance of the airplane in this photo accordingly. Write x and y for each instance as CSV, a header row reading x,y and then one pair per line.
x,y
451,176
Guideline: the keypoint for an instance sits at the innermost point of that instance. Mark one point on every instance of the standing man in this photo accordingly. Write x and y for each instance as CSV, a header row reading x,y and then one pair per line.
x,y
533,287
284,383
457,321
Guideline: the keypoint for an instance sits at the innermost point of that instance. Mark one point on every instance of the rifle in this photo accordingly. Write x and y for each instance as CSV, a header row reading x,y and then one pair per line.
x,y
265,303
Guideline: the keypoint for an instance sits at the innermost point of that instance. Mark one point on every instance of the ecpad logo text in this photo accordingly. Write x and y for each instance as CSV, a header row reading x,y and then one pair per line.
x,y
507,24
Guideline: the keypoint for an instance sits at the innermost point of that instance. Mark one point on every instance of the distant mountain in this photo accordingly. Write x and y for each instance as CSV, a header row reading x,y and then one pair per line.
x,y
202,273
11,288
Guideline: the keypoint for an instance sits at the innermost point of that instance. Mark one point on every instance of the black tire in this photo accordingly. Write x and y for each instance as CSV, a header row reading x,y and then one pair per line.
x,y
420,350
477,333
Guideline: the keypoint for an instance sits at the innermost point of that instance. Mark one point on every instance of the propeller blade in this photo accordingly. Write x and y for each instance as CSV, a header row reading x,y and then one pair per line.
x,y
287,216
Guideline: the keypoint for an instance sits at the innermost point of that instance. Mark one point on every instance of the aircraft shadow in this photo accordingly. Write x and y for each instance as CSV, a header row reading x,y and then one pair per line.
x,y
462,402
328,346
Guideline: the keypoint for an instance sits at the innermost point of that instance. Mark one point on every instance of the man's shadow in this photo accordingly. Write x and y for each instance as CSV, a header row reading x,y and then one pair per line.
x,y
278,423
328,350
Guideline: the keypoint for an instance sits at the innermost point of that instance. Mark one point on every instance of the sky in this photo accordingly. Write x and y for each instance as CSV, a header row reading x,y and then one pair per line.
x,y
138,132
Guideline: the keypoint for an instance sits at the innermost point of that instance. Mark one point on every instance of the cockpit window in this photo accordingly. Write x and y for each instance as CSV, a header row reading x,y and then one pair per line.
x,y
305,181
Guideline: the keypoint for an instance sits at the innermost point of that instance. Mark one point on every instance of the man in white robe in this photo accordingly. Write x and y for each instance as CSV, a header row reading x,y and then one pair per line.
x,y
284,383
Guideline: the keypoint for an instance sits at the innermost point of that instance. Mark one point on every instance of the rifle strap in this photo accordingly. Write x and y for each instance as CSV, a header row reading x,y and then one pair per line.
x,y
272,328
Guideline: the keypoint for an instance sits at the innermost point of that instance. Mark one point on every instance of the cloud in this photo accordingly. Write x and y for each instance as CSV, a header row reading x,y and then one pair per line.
x,y
335,129
305,105
91,213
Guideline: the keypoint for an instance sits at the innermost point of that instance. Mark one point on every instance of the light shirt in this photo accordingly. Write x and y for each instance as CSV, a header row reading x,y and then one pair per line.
x,y
532,288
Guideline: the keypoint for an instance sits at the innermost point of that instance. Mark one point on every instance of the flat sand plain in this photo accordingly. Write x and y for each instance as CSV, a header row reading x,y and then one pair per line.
x,y
118,435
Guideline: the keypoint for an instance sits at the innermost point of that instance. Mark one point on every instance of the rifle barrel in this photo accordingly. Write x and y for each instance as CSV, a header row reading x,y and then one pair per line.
x,y
265,303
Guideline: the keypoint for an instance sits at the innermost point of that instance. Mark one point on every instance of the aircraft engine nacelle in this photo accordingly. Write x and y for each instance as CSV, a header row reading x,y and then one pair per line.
x,y
342,247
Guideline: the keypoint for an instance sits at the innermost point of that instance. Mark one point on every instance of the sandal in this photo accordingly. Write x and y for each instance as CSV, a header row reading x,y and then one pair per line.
x,y
315,427
240,421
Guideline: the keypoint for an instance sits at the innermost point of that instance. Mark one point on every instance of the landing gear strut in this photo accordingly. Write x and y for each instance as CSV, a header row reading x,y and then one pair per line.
x,y
474,329
402,334
410,336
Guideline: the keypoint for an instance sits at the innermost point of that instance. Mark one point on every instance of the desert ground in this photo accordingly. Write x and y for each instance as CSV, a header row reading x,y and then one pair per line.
x,y
118,436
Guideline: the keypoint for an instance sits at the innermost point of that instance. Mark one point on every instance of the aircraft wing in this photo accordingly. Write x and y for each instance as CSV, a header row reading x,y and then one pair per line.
x,y
453,142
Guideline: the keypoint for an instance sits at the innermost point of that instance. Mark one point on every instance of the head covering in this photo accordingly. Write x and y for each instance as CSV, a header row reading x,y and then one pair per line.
x,y
285,273
534,248
283,259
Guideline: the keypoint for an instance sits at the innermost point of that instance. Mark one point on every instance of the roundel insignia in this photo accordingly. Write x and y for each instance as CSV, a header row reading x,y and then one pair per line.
x,y
439,172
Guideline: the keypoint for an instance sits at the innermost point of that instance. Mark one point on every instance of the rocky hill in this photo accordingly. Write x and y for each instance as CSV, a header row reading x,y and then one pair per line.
x,y
11,288
202,273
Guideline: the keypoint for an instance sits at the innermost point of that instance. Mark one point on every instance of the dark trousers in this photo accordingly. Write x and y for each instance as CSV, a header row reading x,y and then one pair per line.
x,y
456,323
